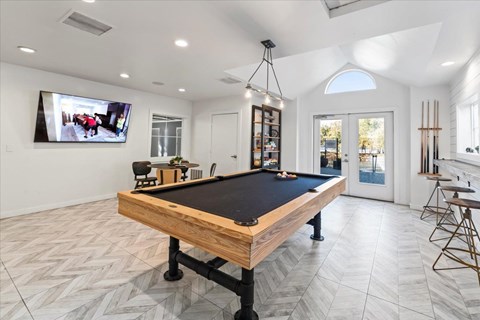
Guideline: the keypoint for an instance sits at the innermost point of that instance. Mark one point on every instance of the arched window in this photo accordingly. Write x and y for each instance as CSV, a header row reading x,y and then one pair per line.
x,y
350,80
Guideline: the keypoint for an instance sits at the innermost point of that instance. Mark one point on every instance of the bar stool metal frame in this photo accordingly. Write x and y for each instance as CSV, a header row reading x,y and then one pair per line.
x,y
431,208
445,221
471,232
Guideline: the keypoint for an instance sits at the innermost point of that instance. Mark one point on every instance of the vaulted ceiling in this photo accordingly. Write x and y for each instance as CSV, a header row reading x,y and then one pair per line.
x,y
402,40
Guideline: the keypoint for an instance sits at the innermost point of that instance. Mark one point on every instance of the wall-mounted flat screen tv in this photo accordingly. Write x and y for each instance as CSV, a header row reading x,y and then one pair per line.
x,y
67,118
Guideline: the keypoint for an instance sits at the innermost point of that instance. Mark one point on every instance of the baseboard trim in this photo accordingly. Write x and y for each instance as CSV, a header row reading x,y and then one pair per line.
x,y
416,207
20,212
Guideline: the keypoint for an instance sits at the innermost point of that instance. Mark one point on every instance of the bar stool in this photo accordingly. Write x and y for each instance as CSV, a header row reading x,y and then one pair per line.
x,y
448,219
471,233
430,208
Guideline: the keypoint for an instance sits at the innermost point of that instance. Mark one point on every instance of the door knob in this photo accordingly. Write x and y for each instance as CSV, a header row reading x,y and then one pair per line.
x,y
234,156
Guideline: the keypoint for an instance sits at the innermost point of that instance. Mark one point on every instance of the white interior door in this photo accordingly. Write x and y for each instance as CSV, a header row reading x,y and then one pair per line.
x,y
224,149
359,147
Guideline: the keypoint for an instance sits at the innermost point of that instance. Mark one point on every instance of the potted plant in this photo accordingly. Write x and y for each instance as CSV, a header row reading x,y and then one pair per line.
x,y
176,160
323,162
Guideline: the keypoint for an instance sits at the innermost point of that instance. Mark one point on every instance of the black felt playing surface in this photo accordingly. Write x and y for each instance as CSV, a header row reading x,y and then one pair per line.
x,y
244,197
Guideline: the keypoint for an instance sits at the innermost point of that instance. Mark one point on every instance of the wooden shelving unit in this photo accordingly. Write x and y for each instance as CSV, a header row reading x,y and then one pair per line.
x,y
266,137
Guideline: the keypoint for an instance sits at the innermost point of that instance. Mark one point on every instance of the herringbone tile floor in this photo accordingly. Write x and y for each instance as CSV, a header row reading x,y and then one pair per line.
x,y
88,262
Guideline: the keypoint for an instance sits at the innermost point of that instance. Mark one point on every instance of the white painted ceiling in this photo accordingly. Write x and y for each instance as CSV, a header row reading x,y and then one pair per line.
x,y
402,40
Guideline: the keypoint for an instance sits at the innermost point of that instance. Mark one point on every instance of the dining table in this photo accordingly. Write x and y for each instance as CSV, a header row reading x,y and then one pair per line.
x,y
184,166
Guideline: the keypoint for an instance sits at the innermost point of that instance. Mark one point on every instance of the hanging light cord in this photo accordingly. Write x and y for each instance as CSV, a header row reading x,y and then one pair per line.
x,y
268,58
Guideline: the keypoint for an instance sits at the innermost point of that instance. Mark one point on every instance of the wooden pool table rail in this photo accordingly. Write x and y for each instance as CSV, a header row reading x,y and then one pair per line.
x,y
244,246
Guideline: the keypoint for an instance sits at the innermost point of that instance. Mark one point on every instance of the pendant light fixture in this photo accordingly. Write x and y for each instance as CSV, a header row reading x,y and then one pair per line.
x,y
267,58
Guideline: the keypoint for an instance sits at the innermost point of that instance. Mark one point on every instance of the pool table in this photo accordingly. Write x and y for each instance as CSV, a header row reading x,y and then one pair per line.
x,y
240,218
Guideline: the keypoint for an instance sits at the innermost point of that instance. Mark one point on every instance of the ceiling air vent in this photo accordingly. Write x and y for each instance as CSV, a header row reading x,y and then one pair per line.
x,y
229,80
82,22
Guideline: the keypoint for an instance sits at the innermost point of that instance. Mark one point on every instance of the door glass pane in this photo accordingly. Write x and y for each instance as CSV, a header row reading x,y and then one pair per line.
x,y
371,150
331,147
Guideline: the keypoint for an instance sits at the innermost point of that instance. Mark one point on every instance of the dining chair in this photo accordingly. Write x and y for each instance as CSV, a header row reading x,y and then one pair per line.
x,y
212,169
141,170
184,169
166,176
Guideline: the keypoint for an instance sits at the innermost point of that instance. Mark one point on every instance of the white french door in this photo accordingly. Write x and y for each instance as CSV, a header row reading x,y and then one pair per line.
x,y
360,147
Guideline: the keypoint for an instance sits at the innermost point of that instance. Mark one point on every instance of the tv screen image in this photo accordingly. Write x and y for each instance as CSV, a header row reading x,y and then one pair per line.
x,y
68,118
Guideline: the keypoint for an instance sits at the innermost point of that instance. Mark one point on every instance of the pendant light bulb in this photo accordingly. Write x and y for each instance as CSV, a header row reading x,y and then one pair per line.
x,y
248,92
267,98
281,104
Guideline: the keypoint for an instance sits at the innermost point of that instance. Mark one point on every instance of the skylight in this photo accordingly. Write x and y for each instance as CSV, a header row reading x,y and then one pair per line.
x,y
350,80
337,8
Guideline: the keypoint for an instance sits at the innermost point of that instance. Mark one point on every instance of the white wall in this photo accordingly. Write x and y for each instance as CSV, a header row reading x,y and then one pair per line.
x,y
290,144
389,96
421,188
465,84
202,130
39,176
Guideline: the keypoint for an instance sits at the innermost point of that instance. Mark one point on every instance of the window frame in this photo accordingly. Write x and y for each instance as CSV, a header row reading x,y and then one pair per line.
x,y
346,71
467,104
182,118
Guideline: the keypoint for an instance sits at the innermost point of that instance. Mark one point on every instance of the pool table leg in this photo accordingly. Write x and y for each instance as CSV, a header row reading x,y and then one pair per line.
x,y
173,273
246,311
316,222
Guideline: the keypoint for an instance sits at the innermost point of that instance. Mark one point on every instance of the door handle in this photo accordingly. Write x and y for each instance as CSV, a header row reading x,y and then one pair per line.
x,y
346,160
234,156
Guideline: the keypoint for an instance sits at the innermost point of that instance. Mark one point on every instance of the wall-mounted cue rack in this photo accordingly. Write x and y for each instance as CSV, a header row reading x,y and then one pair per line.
x,y
427,153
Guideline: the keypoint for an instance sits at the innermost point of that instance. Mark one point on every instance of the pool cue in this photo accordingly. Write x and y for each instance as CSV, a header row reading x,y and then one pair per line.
x,y
428,137
422,153
424,146
438,133
434,132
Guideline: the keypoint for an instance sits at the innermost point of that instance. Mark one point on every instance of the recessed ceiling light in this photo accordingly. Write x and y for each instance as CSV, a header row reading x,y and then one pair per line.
x,y
182,89
448,63
124,75
26,49
89,1
181,43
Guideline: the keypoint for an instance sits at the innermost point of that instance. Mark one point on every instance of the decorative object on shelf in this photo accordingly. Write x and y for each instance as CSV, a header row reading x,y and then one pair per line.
x,y
271,145
268,59
275,133
425,139
176,160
